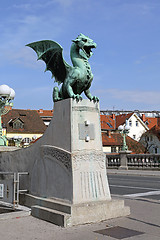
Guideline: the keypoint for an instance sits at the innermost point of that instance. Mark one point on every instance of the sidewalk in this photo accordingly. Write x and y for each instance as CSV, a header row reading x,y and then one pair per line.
x,y
144,217
142,224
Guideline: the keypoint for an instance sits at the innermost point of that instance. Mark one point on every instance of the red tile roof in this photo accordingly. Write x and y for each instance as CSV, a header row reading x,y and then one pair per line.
x,y
115,139
45,113
121,119
155,131
32,123
151,122
107,122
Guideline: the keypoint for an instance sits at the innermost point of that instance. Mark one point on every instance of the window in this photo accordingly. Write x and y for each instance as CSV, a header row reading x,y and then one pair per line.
x,y
109,125
18,124
146,123
130,123
137,124
113,149
146,138
134,136
156,150
26,141
119,149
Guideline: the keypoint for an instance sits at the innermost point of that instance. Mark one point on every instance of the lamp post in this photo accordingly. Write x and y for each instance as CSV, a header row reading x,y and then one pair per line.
x,y
124,130
7,94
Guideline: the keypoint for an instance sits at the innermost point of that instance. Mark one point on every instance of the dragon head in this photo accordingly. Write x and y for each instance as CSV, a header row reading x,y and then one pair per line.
x,y
85,44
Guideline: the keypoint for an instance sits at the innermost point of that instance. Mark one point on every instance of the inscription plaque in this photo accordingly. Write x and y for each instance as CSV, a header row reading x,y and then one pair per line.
x,y
86,131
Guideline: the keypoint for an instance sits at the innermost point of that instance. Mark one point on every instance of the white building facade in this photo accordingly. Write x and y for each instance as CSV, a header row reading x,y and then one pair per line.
x,y
137,127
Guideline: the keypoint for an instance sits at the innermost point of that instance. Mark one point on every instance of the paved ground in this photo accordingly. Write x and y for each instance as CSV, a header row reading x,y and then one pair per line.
x,y
134,186
144,220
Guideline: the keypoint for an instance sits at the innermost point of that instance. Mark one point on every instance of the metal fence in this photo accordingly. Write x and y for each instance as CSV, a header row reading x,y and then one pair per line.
x,y
10,187
135,161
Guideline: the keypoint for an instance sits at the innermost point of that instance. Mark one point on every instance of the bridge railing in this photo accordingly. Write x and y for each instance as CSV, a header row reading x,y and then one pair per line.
x,y
133,161
113,161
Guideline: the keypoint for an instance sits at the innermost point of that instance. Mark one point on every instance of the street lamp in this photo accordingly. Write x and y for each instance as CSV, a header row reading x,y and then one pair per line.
x,y
124,130
7,94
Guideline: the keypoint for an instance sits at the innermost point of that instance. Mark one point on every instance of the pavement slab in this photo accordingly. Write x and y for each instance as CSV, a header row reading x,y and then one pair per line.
x,y
144,218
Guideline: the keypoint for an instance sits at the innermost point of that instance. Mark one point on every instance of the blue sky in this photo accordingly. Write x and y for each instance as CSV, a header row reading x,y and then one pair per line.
x,y
125,64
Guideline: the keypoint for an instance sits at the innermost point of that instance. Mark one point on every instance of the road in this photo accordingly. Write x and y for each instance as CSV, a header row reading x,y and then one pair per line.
x,y
134,186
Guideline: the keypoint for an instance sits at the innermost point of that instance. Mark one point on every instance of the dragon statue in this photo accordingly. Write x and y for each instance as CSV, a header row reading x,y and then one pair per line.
x,y
75,79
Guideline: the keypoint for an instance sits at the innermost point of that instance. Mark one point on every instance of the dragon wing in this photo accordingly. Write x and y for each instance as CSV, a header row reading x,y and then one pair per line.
x,y
51,53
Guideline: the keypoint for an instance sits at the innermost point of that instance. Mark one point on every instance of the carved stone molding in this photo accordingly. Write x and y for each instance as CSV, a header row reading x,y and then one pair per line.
x,y
93,156
87,109
60,155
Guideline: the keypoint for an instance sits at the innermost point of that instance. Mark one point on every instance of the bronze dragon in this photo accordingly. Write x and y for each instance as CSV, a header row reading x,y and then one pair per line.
x,y
75,79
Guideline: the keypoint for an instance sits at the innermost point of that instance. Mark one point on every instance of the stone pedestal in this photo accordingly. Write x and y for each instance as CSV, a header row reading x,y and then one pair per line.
x,y
72,168
72,157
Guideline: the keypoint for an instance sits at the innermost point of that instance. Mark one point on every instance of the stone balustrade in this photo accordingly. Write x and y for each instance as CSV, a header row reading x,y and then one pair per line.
x,y
133,161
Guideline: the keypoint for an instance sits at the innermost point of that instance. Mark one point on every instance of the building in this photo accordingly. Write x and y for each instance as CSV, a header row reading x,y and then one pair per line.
x,y
25,124
151,140
46,115
112,122
113,142
150,121
137,126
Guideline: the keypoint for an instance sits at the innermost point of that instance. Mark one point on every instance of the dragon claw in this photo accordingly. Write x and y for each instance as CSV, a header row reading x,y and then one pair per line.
x,y
95,99
77,97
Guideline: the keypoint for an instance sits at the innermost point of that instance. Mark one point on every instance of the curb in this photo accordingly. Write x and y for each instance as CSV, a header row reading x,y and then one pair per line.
x,y
5,216
133,172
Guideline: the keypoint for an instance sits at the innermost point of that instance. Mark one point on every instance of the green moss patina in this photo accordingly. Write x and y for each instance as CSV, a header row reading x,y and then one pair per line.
x,y
75,79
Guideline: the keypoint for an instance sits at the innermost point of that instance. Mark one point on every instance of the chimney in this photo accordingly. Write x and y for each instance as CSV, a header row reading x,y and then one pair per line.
x,y
109,133
40,110
143,117
113,116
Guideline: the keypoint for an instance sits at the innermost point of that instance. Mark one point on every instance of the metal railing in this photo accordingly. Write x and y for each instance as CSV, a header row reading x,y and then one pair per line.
x,y
135,161
10,187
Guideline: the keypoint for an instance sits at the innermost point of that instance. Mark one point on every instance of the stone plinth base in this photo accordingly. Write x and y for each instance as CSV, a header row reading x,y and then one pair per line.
x,y
92,212
64,214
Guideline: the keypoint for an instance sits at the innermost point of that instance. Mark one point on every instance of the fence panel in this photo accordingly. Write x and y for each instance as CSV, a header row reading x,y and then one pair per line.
x,y
9,187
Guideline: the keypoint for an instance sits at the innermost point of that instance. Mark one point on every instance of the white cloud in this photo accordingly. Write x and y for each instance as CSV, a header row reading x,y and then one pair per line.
x,y
66,3
134,96
37,5
148,57
29,28
23,57
141,59
140,8
25,6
